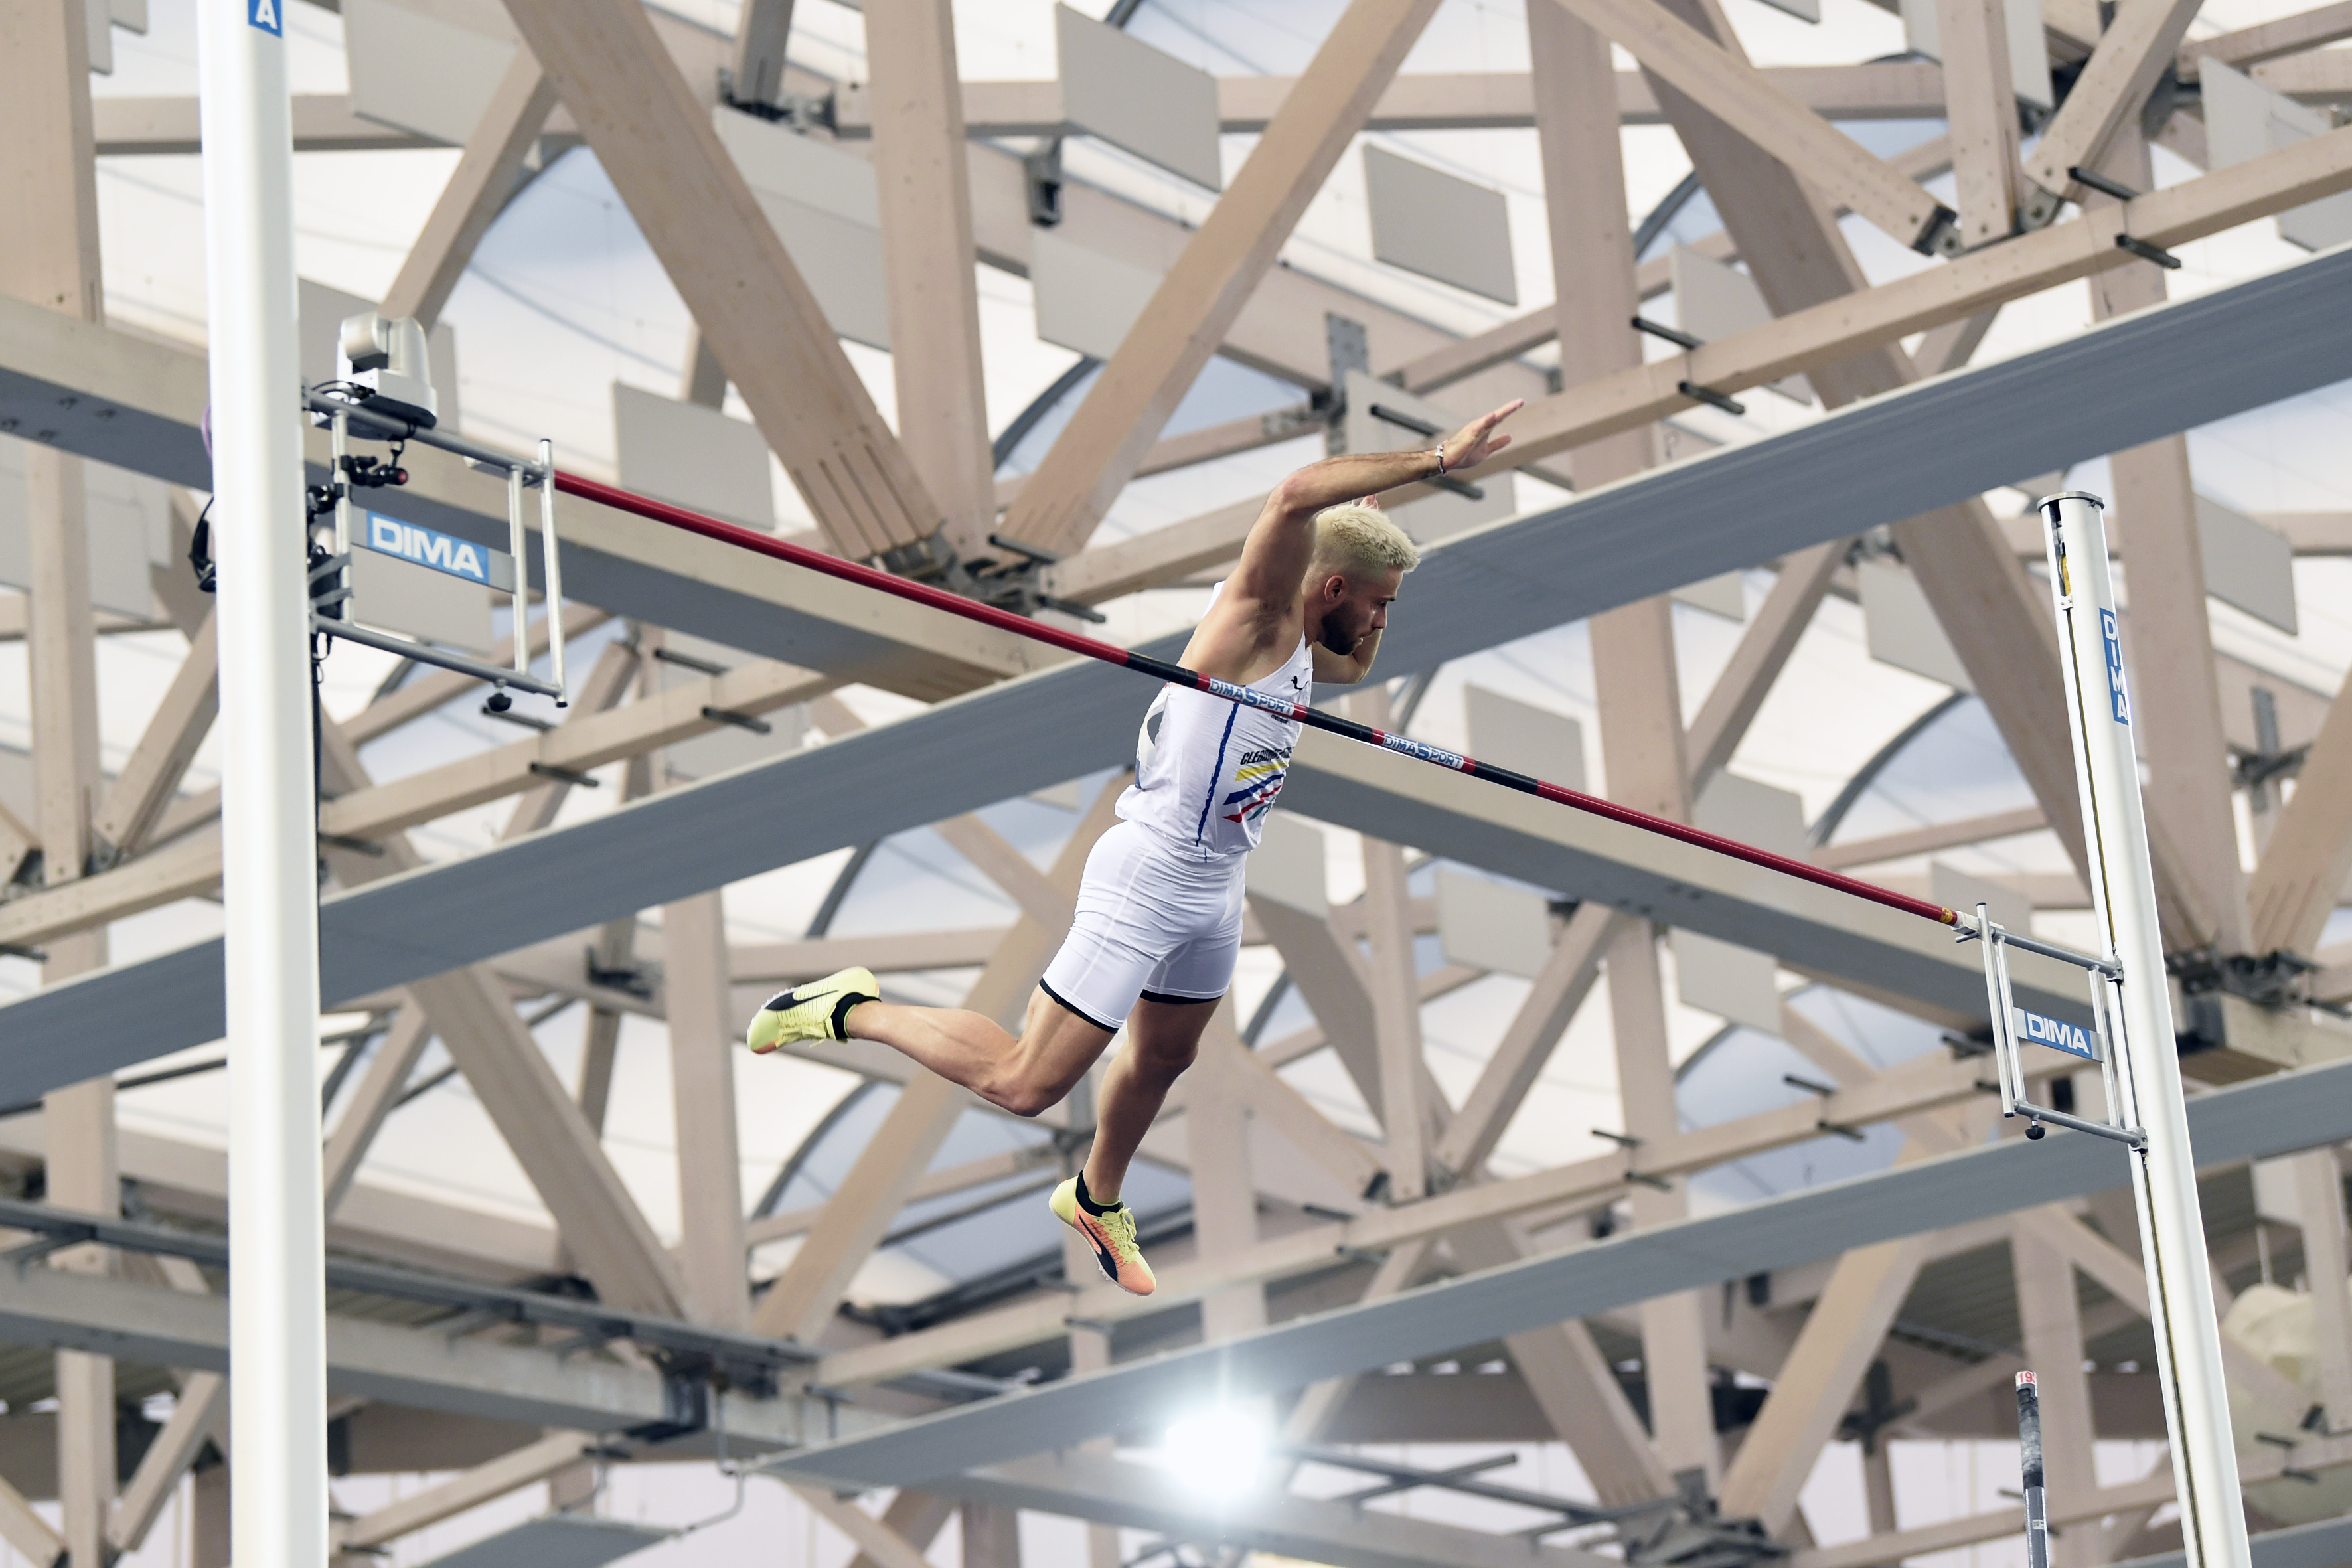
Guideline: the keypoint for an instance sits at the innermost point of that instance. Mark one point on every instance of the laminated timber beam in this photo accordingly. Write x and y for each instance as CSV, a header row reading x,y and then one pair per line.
x,y
1467,100
656,141
1878,460
2275,1115
1212,280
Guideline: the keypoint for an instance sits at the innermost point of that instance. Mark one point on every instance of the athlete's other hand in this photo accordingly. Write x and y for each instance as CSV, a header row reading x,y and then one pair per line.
x,y
1476,441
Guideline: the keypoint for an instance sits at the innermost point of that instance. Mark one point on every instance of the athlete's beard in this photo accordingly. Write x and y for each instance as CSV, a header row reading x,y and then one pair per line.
x,y
1333,634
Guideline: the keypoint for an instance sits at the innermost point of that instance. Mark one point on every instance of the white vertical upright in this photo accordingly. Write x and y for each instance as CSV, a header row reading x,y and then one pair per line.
x,y
276,1248
2164,1172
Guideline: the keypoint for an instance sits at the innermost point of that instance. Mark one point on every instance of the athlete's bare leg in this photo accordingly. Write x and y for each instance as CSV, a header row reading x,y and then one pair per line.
x,y
1162,1038
1023,1075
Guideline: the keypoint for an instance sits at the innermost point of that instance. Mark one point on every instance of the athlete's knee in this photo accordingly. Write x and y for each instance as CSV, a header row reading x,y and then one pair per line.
x,y
1024,1089
1164,1058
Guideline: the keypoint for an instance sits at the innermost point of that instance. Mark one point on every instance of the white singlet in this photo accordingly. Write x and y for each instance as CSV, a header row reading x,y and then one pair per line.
x,y
1159,914
1205,783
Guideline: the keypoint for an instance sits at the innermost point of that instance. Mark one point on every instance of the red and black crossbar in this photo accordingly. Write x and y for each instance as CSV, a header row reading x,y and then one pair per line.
x,y
1177,674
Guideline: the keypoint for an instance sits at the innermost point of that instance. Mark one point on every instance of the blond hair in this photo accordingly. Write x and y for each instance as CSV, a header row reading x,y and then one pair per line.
x,y
1354,536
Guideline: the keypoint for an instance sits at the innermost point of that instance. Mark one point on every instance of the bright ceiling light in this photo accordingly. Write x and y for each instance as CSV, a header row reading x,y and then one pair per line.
x,y
1219,1451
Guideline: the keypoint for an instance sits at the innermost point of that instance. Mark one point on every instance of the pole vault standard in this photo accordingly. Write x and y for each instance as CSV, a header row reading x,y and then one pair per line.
x,y
2164,1174
276,1302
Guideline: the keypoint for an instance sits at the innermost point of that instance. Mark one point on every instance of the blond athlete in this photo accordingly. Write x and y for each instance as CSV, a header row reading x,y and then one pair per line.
x,y
1159,918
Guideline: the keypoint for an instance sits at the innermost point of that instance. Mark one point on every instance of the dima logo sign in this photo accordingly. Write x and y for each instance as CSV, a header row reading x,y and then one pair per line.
x,y
440,552
2072,1039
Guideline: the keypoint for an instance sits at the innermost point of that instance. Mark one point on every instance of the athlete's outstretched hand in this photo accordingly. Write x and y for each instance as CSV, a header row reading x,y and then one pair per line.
x,y
1476,441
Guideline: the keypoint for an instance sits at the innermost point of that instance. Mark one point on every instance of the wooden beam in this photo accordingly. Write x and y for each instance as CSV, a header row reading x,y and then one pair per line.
x,y
1251,1080
703,1036
1831,327
1927,840
924,184
1672,50
1575,1387
151,776
478,190
1772,633
1224,1194
1203,294
1981,96
1432,100
1529,1040
2300,878
199,1416
2169,633
1840,1339
1395,998
755,72
2138,45
467,1489
2319,1207
656,141
324,122
380,1089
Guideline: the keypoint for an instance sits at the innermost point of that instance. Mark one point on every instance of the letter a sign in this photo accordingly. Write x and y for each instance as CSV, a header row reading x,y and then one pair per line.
x,y
264,15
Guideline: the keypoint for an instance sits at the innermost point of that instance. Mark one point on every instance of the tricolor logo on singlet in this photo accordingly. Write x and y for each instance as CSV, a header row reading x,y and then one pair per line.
x,y
1260,776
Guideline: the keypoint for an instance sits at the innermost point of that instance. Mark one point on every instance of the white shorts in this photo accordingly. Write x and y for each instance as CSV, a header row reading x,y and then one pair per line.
x,y
1149,924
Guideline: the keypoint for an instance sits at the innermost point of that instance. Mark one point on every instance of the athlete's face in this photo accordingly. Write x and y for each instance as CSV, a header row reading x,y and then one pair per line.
x,y
1351,607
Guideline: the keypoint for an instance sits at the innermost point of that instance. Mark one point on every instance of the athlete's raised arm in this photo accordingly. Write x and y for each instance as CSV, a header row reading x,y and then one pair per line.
x,y
1256,614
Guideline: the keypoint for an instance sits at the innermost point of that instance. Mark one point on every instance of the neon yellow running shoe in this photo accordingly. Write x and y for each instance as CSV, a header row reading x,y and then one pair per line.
x,y
816,1011
1110,1232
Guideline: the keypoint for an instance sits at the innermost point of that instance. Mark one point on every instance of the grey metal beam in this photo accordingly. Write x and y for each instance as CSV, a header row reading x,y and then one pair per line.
x,y
1829,934
2324,1543
138,404
1143,1497
1880,460
2256,1119
422,1368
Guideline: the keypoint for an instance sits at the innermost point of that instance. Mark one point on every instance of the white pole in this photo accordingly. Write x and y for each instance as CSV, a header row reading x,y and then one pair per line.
x,y
2164,1173
276,1248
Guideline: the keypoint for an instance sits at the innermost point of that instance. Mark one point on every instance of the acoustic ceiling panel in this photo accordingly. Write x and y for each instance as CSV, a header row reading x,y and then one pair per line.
x,y
1879,460
1739,984
1526,739
694,456
127,519
824,209
1139,99
416,71
2245,120
1427,221
1492,925
1085,301
2247,565
1902,630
